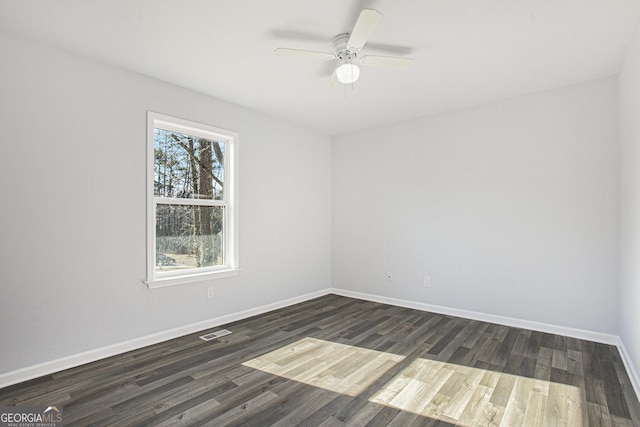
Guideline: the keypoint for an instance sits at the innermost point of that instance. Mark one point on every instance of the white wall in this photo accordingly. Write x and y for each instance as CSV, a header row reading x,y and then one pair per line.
x,y
72,222
509,207
629,292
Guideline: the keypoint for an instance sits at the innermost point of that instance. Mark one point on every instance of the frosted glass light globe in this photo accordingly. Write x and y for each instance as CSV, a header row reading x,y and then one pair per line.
x,y
347,73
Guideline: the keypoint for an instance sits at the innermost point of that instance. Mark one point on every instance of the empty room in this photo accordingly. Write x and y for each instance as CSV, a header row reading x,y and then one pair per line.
x,y
320,213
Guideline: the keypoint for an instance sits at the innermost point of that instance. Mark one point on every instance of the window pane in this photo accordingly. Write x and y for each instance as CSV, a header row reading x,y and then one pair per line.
x,y
187,166
188,237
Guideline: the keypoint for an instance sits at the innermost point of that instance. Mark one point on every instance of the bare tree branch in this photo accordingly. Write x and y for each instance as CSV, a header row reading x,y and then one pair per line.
x,y
191,153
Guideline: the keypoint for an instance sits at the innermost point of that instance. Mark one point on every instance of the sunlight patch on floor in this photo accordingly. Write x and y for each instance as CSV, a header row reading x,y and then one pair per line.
x,y
456,394
466,396
336,367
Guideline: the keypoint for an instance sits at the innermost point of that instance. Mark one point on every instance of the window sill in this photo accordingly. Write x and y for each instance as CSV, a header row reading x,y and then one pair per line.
x,y
190,278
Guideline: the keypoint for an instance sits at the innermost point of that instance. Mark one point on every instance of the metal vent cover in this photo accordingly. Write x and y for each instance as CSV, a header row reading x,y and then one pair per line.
x,y
215,335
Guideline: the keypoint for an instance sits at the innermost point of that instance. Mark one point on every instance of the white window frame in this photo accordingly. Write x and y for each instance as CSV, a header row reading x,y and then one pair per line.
x,y
230,202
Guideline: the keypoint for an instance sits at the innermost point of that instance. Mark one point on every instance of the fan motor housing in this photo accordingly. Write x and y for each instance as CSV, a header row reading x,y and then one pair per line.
x,y
341,49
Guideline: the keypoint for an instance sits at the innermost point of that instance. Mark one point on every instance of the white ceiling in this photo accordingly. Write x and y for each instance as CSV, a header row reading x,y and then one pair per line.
x,y
466,52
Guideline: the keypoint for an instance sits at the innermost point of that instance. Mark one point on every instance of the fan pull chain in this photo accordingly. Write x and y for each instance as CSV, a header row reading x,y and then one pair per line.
x,y
352,83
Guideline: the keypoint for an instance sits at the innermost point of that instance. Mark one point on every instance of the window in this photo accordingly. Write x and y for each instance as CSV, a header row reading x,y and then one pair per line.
x,y
191,209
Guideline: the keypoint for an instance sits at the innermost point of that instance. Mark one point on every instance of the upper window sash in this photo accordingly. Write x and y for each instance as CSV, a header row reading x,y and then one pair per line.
x,y
183,126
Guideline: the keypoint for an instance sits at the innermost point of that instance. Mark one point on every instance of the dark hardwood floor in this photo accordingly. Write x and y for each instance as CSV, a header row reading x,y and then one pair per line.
x,y
339,361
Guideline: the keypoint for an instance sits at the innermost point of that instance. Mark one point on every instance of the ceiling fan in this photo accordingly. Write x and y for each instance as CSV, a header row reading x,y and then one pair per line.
x,y
347,47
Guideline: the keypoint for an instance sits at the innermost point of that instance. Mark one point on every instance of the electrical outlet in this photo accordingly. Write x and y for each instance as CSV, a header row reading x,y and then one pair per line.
x,y
389,276
427,282
210,293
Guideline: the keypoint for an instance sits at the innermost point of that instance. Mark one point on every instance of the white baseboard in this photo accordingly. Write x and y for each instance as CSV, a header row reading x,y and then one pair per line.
x,y
490,318
46,368
509,321
629,366
49,367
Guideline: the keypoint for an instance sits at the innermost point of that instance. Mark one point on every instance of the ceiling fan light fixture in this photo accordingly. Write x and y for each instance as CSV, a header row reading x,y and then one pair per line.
x,y
347,73
347,48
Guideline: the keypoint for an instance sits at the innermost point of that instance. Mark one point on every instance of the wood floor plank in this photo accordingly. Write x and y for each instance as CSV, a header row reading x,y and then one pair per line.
x,y
503,351
338,361
513,364
192,415
91,419
598,415
362,414
543,364
574,362
502,390
480,410
536,406
327,414
403,419
165,410
471,341
246,410
465,385
520,346
516,406
533,345
383,417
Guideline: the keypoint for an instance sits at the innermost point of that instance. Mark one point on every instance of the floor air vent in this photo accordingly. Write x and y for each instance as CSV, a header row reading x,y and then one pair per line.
x,y
214,335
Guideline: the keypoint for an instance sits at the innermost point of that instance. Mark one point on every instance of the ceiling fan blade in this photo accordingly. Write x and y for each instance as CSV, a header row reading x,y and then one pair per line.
x,y
333,81
386,61
367,22
299,53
